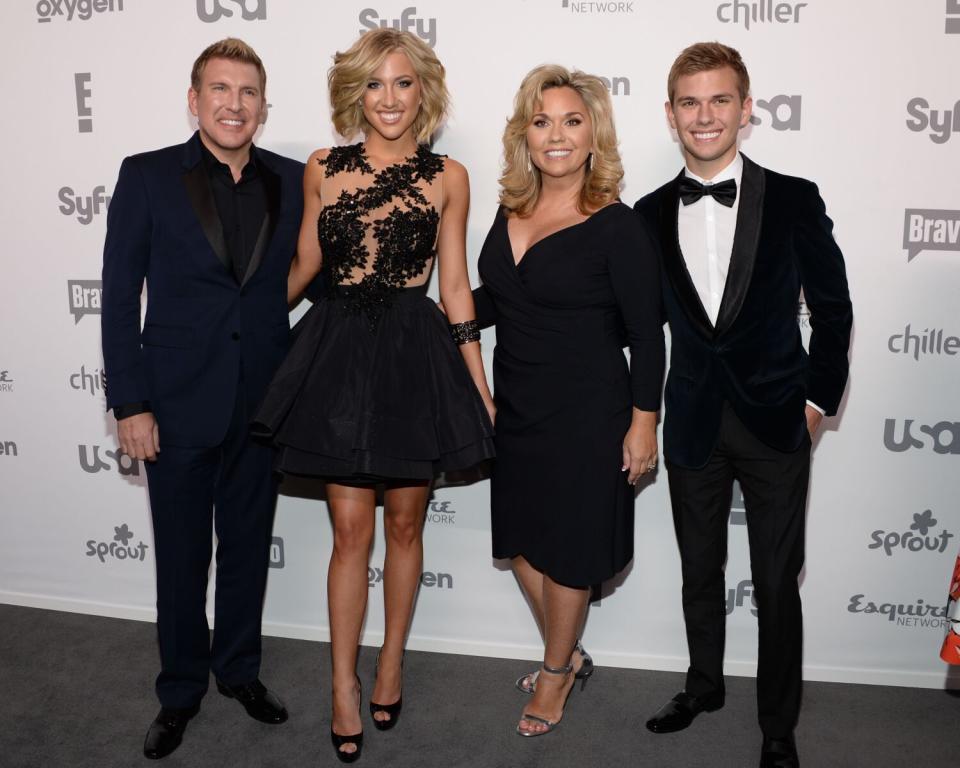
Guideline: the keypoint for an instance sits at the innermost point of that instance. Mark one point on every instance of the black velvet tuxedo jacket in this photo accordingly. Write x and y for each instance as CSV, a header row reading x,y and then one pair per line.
x,y
753,357
204,334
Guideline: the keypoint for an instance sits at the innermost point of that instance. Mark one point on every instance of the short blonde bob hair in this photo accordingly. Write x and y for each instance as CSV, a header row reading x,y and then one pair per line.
x,y
520,183
351,71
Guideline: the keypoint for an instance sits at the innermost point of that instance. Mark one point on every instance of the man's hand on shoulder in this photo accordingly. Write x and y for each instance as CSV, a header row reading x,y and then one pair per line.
x,y
139,436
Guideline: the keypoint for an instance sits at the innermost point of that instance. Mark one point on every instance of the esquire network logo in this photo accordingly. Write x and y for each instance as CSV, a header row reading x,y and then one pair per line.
x,y
428,579
941,122
930,229
210,11
598,7
943,437
8,448
784,112
441,512
424,28
119,548
48,10
83,207
918,614
85,298
6,381
760,12
91,462
917,538
930,342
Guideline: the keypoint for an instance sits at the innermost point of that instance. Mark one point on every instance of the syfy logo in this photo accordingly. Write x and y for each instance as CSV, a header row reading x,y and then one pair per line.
x,y
439,512
759,12
930,342
598,8
952,25
910,541
945,436
85,298
6,382
277,559
85,208
84,113
8,448
81,9
919,614
737,598
784,112
930,229
210,11
125,464
119,548
427,579
942,123
94,383
617,86
425,29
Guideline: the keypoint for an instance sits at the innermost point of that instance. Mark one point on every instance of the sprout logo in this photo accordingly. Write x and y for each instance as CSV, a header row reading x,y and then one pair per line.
x,y
119,548
916,539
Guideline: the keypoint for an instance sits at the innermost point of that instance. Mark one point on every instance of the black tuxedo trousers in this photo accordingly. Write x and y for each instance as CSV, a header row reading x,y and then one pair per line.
x,y
774,485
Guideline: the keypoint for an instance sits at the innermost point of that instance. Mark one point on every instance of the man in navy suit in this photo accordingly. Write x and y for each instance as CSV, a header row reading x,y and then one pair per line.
x,y
211,226
743,398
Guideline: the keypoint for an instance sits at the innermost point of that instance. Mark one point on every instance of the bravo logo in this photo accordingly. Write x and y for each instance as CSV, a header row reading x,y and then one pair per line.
x,y
425,29
85,298
930,229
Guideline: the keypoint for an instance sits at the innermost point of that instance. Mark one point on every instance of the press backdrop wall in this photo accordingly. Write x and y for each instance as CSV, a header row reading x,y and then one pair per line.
x,y
862,97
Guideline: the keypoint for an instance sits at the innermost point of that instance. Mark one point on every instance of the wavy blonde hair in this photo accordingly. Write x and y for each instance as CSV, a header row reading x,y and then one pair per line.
x,y
520,183
352,69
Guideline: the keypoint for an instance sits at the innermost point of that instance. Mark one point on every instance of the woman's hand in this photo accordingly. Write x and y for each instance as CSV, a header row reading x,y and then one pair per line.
x,y
640,445
491,409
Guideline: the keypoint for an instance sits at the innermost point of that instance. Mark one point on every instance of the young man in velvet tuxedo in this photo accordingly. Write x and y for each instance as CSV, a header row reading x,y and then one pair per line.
x,y
210,226
743,398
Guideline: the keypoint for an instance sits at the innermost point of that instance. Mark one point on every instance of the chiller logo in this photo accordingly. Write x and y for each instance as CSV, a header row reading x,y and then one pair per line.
x,y
277,559
759,12
441,512
930,229
85,208
210,11
424,28
598,7
119,548
125,465
428,579
85,298
81,9
737,598
8,448
784,112
942,123
6,381
916,539
944,436
919,614
930,341
94,383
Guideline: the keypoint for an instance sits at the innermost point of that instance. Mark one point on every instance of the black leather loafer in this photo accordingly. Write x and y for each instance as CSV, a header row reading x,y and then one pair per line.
x,y
260,703
779,753
166,731
679,712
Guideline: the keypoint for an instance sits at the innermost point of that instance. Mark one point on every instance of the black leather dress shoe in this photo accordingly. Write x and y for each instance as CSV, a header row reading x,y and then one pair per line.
x,y
679,712
166,731
260,703
779,753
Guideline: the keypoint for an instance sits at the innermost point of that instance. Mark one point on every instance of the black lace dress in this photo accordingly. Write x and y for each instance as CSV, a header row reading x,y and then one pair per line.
x,y
374,387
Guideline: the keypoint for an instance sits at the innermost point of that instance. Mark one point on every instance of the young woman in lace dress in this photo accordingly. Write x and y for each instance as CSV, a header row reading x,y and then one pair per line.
x,y
374,390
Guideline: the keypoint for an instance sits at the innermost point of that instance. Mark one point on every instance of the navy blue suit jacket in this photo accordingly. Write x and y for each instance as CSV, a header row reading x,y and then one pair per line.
x,y
753,357
203,335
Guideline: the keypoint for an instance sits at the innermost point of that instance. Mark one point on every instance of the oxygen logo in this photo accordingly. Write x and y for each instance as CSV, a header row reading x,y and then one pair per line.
x,y
85,208
760,12
8,448
944,436
277,559
125,465
94,383
598,8
737,598
119,548
428,579
6,382
47,10
916,539
85,298
918,614
424,28
784,112
942,123
930,341
930,229
210,11
617,86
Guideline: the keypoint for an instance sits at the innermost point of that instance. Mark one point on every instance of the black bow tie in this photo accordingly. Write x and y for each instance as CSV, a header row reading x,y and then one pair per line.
x,y
692,190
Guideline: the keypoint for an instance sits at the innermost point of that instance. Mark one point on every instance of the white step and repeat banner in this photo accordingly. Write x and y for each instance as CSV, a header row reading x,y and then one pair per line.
x,y
862,97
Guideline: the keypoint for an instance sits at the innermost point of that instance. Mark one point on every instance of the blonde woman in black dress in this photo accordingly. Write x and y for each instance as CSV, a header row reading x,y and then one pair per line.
x,y
568,274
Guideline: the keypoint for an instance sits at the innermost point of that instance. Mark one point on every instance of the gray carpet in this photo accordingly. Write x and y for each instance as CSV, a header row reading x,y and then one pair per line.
x,y
76,690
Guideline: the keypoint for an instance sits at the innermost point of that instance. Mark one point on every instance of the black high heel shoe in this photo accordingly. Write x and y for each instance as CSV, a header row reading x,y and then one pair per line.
x,y
528,682
356,739
393,710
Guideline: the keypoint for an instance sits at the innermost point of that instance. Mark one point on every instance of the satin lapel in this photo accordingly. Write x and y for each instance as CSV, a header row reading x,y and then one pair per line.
x,y
744,253
198,188
675,266
271,183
